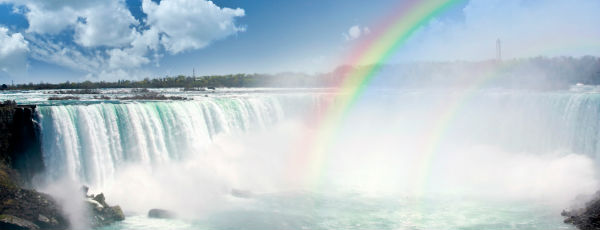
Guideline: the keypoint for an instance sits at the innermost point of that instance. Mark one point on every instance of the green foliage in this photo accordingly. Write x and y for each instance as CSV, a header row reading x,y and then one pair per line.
x,y
232,80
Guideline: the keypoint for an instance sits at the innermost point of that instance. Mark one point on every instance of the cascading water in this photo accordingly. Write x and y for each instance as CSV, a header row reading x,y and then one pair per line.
x,y
88,142
497,145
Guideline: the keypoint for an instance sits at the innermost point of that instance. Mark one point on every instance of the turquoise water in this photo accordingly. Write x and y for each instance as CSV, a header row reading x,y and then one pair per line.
x,y
311,211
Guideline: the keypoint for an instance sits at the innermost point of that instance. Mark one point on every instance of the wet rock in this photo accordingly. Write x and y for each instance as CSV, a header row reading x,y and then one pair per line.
x,y
241,193
94,205
20,146
586,218
20,158
101,199
9,222
118,213
51,221
103,214
29,205
84,190
161,214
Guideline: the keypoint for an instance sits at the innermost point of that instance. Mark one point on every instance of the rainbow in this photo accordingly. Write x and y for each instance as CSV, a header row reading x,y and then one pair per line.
x,y
364,61
367,58
431,142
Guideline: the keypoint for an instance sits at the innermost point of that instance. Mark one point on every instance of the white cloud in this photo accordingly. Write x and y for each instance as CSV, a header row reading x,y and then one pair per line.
x,y
108,25
191,24
49,21
125,58
96,23
13,52
54,16
107,39
526,28
64,55
356,32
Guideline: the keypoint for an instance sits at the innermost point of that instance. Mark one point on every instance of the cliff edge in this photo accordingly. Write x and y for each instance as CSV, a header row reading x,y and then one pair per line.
x,y
20,160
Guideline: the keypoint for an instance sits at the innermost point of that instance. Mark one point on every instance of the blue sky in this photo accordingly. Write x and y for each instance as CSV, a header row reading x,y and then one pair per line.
x,y
58,40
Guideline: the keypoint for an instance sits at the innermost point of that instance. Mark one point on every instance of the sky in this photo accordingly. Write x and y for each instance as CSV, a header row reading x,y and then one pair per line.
x,y
76,40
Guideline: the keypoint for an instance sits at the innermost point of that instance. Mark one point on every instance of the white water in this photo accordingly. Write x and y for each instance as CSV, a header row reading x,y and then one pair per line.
x,y
90,142
507,160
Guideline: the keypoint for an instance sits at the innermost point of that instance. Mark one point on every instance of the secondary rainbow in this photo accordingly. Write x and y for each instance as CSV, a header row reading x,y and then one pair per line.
x,y
366,59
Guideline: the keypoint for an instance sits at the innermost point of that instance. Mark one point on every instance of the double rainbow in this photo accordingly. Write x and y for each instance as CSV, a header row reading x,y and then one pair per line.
x,y
367,58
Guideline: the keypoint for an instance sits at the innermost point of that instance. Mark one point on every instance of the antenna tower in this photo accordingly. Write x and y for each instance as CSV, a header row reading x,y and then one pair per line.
x,y
498,50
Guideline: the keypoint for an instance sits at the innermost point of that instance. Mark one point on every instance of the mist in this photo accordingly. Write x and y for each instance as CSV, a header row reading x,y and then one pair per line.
x,y
69,195
495,148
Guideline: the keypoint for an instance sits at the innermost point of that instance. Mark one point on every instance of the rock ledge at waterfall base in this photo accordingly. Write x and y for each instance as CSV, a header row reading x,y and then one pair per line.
x,y
29,209
586,218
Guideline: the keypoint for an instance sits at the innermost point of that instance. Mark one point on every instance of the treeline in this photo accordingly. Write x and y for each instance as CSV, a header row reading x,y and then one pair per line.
x,y
536,73
181,81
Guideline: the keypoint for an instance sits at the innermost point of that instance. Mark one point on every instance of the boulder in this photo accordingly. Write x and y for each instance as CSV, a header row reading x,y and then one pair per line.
x,y
161,214
94,205
103,214
101,199
118,213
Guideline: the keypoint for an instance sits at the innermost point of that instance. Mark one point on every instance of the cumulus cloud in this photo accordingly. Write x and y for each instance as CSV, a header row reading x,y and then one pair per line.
x,y
123,58
95,23
191,24
49,21
54,16
356,32
106,38
526,28
13,52
108,25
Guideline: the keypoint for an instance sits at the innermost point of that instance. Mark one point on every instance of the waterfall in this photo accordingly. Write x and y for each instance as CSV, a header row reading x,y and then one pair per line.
x,y
89,142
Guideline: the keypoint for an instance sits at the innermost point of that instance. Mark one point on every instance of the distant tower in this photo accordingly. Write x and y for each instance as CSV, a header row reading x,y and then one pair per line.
x,y
498,50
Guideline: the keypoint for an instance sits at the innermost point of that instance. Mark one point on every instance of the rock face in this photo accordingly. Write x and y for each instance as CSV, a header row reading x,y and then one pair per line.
x,y
102,213
20,160
27,209
13,222
161,214
20,145
587,218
